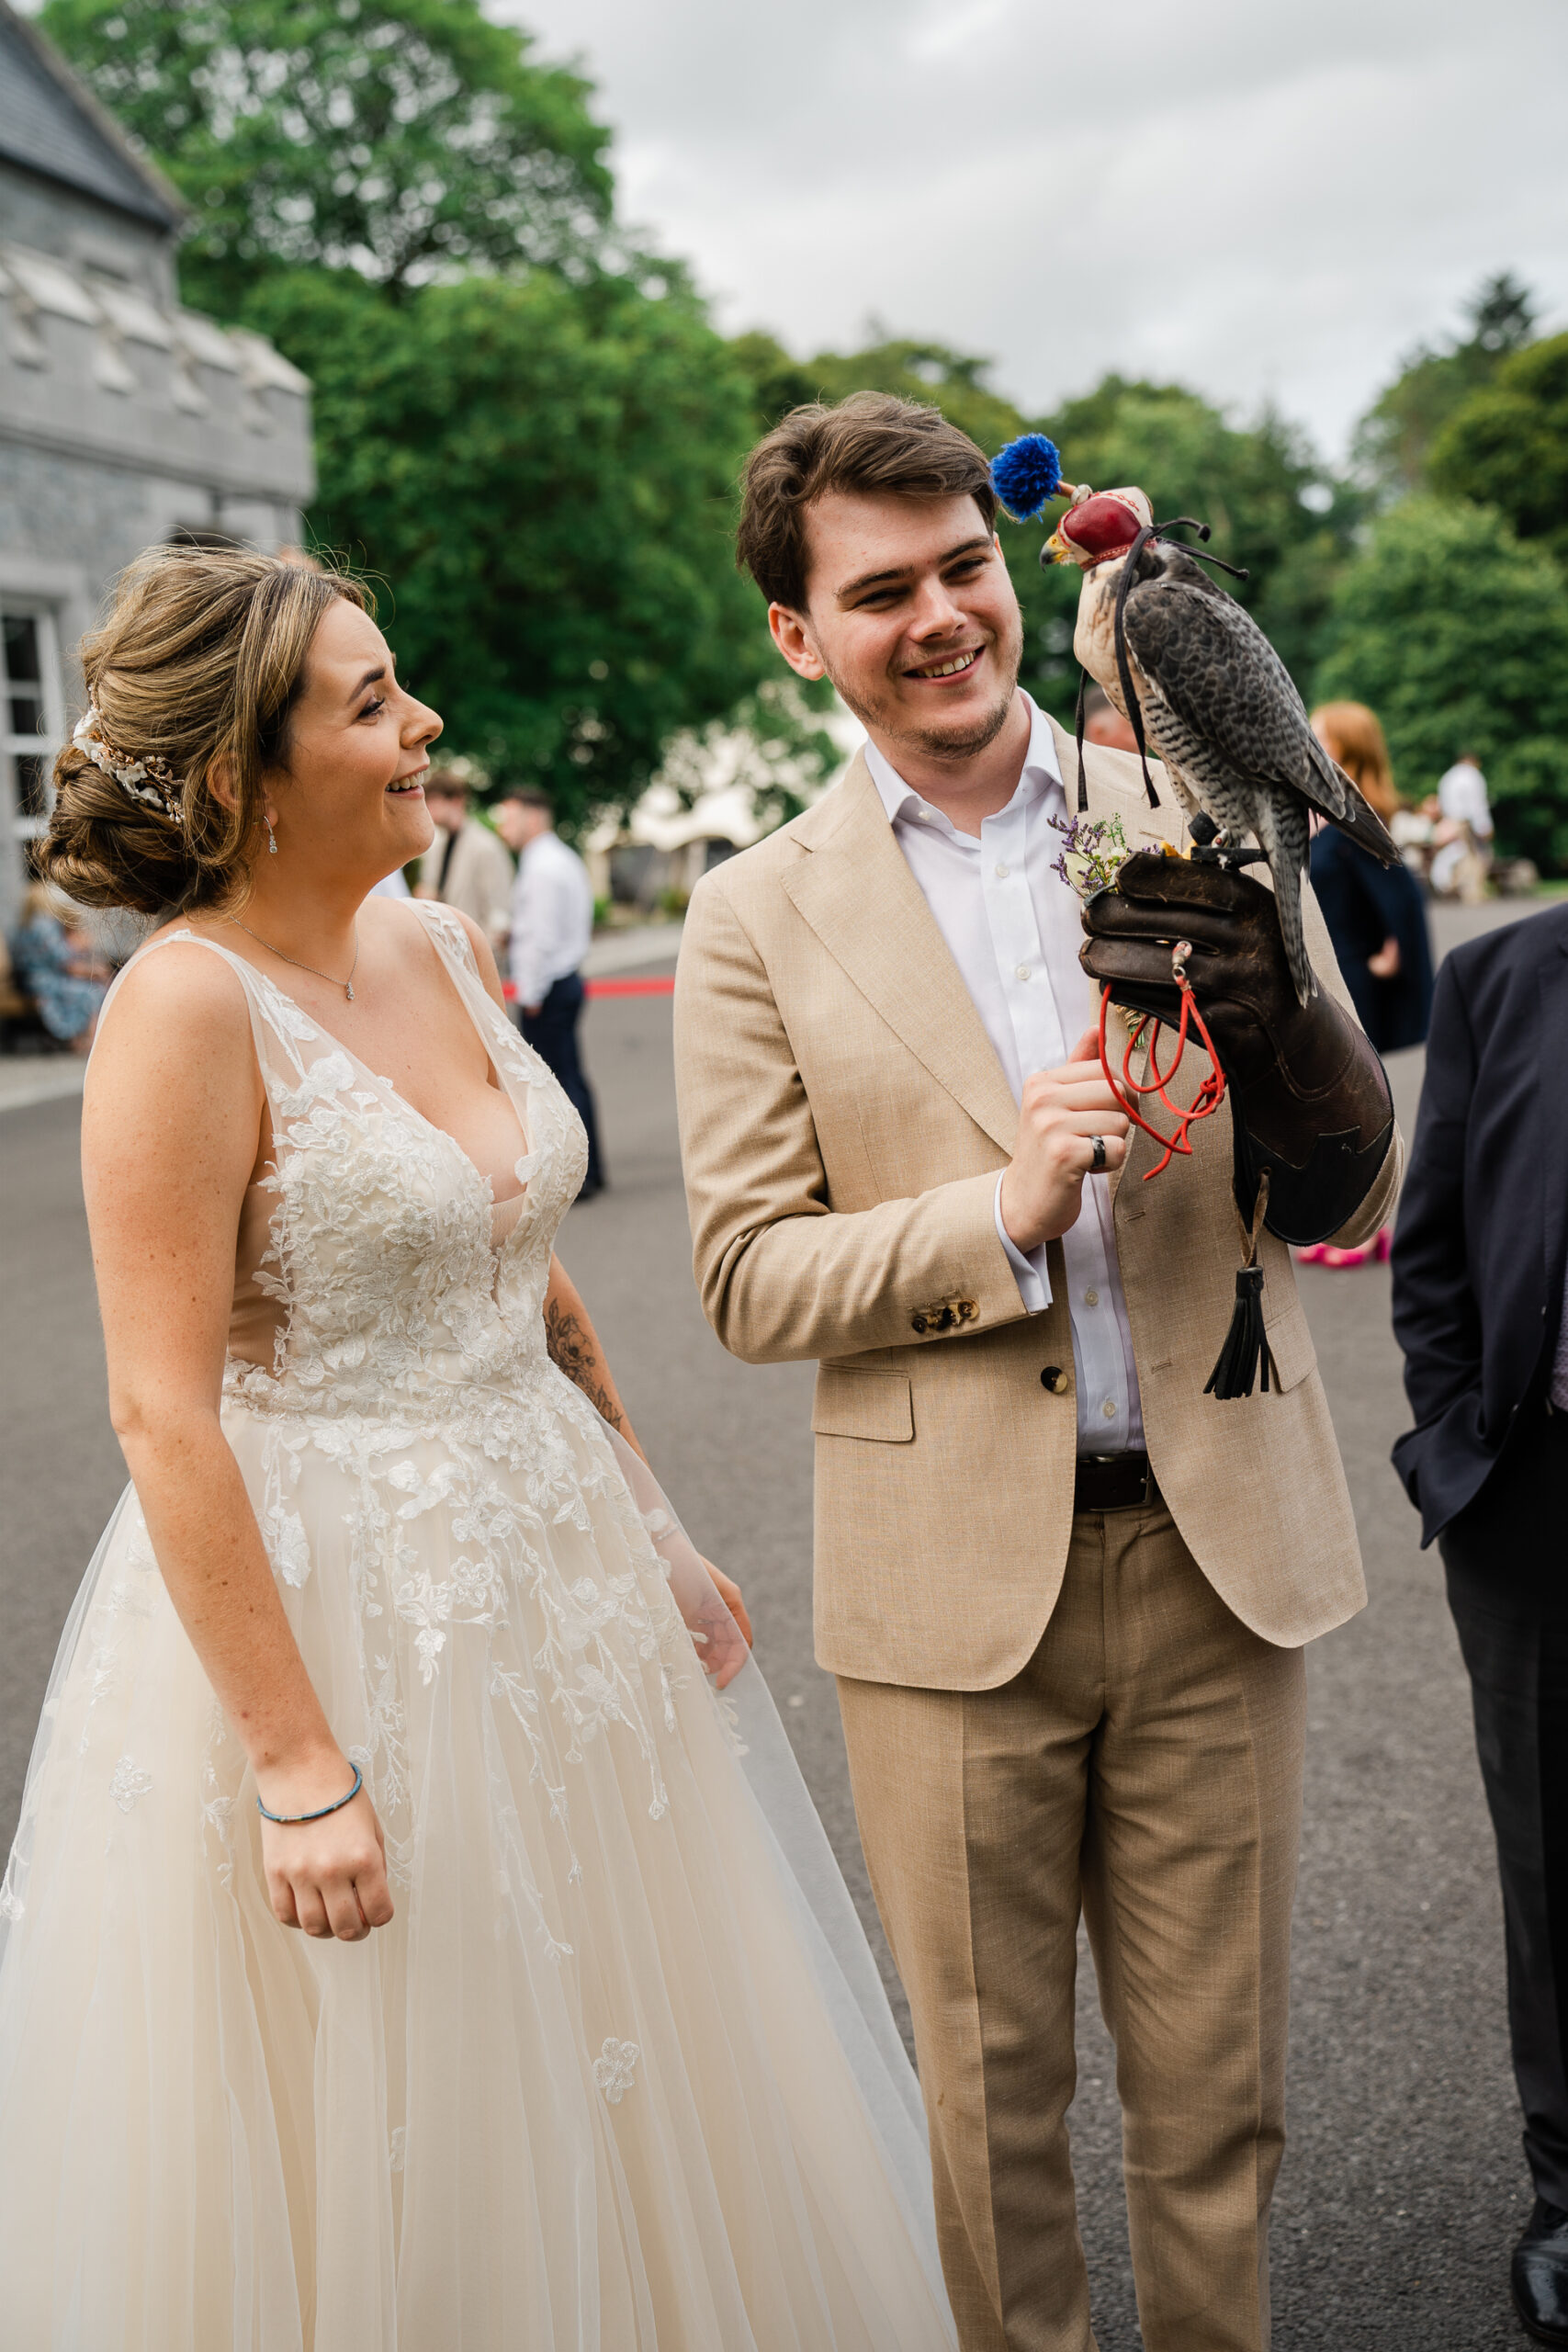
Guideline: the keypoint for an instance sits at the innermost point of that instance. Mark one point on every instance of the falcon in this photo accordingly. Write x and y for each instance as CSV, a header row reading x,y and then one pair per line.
x,y
1213,697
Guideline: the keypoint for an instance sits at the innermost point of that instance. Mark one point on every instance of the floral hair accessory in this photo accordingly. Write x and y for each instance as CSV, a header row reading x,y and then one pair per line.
x,y
1093,852
150,779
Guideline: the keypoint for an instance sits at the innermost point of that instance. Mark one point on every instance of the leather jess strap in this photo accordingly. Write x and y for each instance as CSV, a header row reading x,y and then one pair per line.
x,y
1114,1482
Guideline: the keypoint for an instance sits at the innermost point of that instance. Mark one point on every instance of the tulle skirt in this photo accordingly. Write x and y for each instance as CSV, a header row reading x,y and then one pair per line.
x,y
619,2074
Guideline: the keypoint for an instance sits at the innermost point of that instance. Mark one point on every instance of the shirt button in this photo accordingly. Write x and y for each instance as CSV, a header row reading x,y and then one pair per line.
x,y
1024,972
1091,1298
1002,873
1109,1408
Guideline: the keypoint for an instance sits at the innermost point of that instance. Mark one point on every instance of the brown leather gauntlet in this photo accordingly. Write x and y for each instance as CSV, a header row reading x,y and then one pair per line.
x,y
1309,1098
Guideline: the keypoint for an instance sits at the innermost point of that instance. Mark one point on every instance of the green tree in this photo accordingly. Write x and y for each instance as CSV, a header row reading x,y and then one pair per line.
x,y
542,474
1511,440
1457,634
1395,439
400,138
919,371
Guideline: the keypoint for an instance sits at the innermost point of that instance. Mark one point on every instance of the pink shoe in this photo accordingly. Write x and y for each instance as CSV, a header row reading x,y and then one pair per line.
x,y
1314,1256
1364,1254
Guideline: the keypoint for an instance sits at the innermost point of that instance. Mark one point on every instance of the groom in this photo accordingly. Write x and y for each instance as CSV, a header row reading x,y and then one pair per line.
x,y
1065,1593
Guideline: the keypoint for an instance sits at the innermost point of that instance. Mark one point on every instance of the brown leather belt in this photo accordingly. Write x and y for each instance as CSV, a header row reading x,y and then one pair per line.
x,y
1114,1482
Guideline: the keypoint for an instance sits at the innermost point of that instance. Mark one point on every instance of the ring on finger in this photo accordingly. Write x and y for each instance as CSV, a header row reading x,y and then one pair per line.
x,y
1097,1164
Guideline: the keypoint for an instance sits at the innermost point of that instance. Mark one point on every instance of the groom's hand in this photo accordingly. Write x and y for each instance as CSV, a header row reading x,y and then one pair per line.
x,y
1062,1112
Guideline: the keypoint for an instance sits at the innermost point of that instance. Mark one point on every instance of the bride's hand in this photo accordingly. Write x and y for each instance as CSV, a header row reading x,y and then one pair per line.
x,y
723,1657
328,1877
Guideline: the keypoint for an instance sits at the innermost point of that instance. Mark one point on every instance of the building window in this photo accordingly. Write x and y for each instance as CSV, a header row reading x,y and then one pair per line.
x,y
33,716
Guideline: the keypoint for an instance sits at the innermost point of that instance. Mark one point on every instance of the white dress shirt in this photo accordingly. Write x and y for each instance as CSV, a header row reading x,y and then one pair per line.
x,y
1013,927
1461,797
552,917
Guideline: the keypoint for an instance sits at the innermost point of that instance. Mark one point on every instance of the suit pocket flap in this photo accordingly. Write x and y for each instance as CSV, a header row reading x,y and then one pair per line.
x,y
862,1404
1290,1343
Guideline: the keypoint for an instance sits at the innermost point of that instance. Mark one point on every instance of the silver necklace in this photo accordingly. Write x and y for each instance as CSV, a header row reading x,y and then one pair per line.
x,y
346,986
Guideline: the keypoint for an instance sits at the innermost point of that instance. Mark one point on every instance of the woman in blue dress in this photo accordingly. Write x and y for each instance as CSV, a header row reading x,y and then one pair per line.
x,y
59,968
1375,914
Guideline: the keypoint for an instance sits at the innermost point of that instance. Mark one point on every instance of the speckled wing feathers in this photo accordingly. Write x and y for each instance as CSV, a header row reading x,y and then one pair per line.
x,y
1213,665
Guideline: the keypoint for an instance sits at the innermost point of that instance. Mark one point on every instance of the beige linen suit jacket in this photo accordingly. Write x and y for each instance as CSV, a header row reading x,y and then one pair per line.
x,y
479,880
843,1118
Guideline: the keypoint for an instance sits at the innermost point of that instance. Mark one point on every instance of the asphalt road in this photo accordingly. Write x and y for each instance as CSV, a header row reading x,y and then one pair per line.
x,y
1404,2184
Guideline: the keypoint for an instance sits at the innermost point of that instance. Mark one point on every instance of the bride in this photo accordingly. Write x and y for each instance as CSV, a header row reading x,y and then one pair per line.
x,y
417,1937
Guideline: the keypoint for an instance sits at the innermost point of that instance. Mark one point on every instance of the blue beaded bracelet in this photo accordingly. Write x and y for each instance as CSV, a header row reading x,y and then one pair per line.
x,y
293,1820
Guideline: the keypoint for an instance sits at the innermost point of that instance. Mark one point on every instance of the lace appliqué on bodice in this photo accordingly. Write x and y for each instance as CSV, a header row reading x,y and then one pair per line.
x,y
410,1353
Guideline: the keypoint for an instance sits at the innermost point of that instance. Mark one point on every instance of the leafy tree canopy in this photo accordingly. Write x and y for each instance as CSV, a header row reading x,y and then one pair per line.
x,y
1457,634
541,474
1395,437
1511,441
400,138
919,371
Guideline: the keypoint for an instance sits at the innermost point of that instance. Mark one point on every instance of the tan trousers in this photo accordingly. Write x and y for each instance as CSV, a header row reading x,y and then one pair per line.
x,y
1145,1768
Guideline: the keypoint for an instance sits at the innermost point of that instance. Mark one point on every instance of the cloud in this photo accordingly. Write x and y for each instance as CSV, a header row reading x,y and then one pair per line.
x,y
1270,202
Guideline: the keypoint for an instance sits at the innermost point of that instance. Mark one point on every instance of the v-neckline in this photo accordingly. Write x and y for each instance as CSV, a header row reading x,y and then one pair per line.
x,y
398,1096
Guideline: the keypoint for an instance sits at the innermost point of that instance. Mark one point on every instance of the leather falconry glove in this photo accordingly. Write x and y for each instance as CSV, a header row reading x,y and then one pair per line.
x,y
1310,1102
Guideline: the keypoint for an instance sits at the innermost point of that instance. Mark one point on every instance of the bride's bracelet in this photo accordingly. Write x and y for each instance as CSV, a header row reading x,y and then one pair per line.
x,y
293,1820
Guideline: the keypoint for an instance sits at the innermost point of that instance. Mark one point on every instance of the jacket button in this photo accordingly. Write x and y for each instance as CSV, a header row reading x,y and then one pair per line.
x,y
1055,1379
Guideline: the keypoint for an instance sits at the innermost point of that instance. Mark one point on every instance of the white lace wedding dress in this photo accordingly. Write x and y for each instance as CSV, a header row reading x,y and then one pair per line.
x,y
620,2074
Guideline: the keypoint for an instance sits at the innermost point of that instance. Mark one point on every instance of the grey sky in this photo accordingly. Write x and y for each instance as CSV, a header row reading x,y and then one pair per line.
x,y
1261,198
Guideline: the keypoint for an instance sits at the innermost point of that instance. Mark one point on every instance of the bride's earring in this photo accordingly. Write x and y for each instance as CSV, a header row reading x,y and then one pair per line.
x,y
271,838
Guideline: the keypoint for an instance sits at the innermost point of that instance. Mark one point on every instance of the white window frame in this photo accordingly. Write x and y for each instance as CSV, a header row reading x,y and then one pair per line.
x,y
13,747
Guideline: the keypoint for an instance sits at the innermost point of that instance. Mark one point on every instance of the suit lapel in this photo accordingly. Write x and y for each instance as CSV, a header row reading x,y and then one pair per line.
x,y
858,897
1550,1034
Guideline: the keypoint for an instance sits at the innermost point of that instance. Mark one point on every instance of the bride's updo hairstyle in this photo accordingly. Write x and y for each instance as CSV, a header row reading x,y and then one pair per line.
x,y
198,666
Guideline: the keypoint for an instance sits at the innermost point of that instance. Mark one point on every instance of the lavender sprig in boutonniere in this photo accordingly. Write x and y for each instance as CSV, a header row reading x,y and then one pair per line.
x,y
1093,852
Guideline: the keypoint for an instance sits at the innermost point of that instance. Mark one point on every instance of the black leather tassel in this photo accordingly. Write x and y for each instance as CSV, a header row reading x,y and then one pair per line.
x,y
1246,1342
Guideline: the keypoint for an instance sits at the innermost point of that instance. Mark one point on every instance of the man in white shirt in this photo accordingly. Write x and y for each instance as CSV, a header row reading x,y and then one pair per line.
x,y
1064,1591
1461,797
552,925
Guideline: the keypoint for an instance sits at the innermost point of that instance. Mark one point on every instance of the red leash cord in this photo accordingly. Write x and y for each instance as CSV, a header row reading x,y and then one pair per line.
x,y
1209,1095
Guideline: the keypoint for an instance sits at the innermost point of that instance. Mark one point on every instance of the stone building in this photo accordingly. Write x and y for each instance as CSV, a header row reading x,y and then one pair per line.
x,y
124,419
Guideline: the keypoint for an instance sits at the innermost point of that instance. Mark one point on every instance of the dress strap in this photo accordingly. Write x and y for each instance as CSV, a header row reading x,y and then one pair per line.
x,y
278,1024
450,934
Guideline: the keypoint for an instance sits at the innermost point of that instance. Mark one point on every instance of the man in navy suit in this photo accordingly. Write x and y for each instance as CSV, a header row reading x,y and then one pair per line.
x,y
1479,1268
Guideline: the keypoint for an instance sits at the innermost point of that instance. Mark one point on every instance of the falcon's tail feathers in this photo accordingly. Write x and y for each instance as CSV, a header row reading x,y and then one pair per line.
x,y
1287,904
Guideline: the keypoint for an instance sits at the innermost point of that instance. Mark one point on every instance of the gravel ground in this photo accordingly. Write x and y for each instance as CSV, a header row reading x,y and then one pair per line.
x,y
1404,2184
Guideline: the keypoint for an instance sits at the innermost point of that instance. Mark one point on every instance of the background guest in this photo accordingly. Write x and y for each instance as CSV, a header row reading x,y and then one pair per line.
x,y
56,963
1375,914
552,924
1479,1261
1464,831
465,865
1103,723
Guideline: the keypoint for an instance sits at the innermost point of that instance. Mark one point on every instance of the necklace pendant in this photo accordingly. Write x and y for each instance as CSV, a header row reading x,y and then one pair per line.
x,y
348,991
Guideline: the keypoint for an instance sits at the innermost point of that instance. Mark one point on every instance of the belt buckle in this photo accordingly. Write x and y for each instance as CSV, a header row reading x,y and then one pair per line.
x,y
1108,1464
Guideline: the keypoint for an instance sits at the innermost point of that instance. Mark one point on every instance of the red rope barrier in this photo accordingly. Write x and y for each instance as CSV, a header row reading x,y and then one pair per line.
x,y
1209,1095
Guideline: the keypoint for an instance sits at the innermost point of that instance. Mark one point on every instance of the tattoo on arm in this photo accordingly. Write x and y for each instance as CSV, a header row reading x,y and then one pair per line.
x,y
571,1352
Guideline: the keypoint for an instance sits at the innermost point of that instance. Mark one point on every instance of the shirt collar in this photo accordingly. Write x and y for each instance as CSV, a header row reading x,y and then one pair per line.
x,y
1040,772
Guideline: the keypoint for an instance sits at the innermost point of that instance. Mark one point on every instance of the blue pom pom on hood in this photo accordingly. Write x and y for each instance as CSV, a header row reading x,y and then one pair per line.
x,y
1025,474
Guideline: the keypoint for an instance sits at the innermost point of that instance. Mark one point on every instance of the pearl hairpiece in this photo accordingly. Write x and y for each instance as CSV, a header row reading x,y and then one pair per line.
x,y
150,779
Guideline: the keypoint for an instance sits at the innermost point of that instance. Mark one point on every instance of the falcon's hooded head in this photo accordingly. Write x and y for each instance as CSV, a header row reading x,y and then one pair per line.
x,y
1098,525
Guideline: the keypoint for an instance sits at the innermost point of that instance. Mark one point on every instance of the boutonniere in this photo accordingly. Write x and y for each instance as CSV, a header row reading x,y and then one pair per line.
x,y
1093,852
